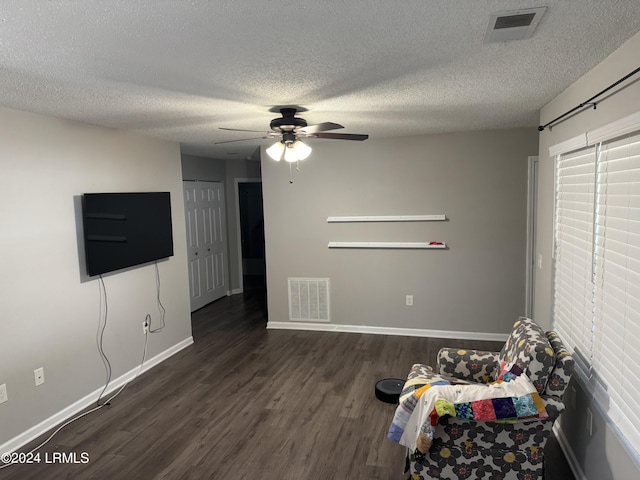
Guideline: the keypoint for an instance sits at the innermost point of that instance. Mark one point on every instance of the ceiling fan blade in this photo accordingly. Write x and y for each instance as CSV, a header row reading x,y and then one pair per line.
x,y
240,130
340,136
240,140
320,127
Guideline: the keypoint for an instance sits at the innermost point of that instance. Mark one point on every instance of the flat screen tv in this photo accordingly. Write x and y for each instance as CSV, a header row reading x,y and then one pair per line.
x,y
125,229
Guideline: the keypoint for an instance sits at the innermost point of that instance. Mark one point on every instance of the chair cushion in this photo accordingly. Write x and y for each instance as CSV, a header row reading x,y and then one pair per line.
x,y
502,401
529,348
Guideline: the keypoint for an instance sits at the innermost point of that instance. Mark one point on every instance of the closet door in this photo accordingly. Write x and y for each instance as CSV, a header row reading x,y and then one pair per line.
x,y
206,241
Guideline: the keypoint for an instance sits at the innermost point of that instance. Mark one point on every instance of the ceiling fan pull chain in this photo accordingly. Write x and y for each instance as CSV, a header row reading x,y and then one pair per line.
x,y
290,179
298,166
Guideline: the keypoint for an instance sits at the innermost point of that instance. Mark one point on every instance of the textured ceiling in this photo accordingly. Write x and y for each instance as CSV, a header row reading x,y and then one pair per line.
x,y
181,69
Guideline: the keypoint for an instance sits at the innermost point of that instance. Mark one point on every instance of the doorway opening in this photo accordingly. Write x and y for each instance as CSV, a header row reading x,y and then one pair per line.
x,y
251,235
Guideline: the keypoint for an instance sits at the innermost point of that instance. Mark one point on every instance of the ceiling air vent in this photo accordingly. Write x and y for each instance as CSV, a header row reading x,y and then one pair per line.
x,y
513,25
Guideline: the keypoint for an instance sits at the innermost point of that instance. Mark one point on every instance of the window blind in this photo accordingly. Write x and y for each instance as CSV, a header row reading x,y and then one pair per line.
x,y
574,224
617,284
597,274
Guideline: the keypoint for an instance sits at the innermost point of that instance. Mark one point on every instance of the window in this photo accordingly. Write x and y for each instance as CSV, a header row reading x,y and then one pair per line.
x,y
574,225
597,272
617,282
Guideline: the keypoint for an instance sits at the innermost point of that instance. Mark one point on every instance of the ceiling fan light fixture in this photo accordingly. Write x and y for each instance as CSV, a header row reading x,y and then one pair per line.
x,y
290,151
302,150
276,151
290,155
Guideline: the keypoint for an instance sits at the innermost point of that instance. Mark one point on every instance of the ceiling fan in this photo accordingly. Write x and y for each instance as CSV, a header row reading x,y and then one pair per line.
x,y
292,129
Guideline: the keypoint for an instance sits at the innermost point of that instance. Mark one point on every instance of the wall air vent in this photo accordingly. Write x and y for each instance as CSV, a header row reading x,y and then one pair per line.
x,y
309,299
513,25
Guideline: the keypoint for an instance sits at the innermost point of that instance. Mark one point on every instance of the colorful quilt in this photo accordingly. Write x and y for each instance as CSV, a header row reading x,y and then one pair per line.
x,y
511,399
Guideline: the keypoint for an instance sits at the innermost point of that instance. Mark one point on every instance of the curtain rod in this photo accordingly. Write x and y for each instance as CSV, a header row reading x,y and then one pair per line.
x,y
589,101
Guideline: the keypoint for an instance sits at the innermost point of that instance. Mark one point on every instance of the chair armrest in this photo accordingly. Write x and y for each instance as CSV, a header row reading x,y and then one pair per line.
x,y
553,405
472,365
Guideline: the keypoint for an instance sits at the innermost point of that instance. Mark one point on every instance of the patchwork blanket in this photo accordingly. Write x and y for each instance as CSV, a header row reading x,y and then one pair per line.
x,y
422,403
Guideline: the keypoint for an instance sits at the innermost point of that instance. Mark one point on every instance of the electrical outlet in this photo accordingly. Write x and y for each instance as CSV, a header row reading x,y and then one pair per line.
x,y
409,300
38,374
540,261
145,327
3,393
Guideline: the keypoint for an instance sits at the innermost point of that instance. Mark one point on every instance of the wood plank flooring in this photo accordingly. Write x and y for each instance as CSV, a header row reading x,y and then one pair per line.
x,y
244,402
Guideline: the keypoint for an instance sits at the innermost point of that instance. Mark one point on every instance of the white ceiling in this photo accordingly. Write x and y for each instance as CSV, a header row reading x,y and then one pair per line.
x,y
179,70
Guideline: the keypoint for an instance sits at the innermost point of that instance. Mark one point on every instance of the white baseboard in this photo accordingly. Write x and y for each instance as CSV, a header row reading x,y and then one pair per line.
x,y
568,453
235,291
405,332
66,413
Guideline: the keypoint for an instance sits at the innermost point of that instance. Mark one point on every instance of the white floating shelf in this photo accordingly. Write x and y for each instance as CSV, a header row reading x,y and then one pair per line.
x,y
418,245
388,218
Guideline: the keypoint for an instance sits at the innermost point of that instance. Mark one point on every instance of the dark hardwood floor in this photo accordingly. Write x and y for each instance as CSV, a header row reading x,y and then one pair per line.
x,y
244,402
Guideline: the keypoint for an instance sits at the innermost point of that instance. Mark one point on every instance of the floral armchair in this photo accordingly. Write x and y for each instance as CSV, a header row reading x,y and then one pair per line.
x,y
464,448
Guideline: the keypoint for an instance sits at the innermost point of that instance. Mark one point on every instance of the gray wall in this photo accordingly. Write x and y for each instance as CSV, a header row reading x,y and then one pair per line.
x,y
203,169
478,179
601,456
49,310
226,171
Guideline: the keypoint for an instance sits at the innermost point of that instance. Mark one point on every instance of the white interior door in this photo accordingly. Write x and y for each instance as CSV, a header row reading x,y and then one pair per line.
x,y
206,241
